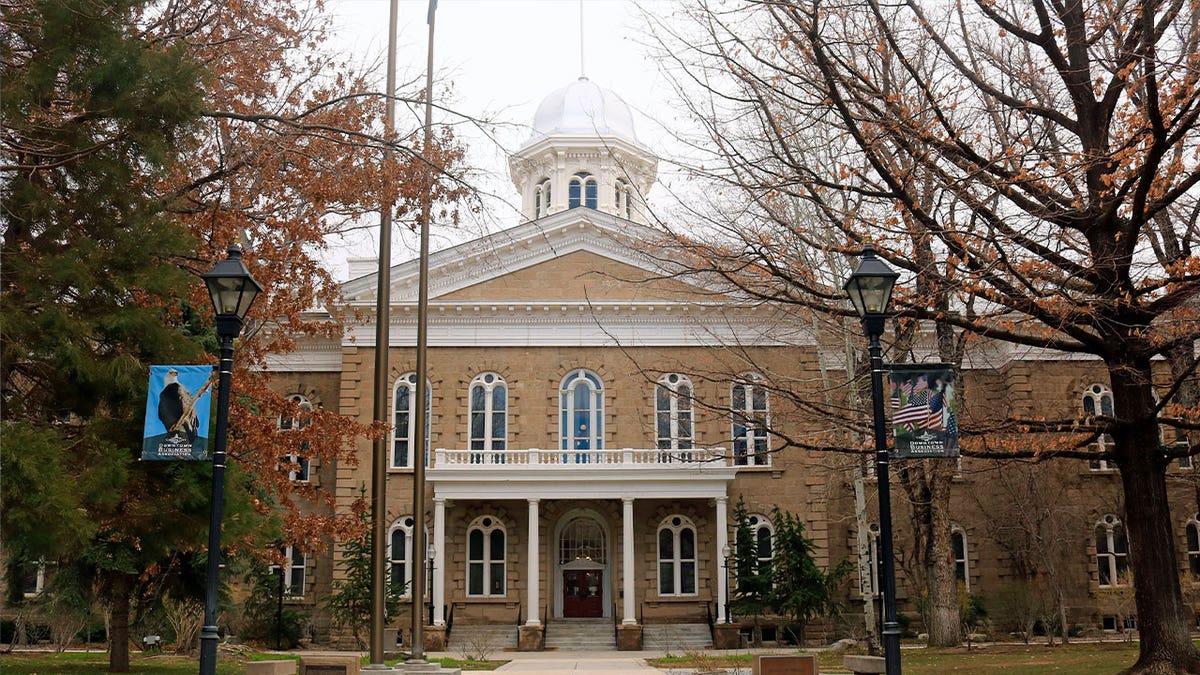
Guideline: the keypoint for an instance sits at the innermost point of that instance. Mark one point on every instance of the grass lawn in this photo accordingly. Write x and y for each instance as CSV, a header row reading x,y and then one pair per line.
x,y
78,663
1073,659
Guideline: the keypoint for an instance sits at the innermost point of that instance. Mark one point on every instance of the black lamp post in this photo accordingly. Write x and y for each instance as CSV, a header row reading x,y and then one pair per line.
x,y
233,290
429,553
870,289
725,553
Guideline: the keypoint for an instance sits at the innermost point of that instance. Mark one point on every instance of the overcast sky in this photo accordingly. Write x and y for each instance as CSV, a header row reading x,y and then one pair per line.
x,y
504,57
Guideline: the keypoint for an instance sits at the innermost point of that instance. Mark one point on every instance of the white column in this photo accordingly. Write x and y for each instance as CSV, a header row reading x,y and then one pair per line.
x,y
627,559
722,543
439,561
533,578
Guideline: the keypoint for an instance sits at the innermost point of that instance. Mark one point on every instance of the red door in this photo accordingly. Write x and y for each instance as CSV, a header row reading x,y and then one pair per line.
x,y
583,593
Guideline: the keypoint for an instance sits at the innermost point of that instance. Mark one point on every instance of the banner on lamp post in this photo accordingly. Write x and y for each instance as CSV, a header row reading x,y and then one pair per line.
x,y
177,413
924,410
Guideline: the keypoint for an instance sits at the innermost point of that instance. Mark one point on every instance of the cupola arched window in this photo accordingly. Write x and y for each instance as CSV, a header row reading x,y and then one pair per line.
x,y
582,191
541,198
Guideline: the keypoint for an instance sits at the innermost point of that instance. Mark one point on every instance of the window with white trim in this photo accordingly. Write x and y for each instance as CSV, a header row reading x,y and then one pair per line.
x,y
293,572
676,556
488,418
297,462
1193,546
582,413
33,578
750,408
486,556
870,585
958,551
581,191
403,410
400,554
673,427
764,540
1098,400
1112,552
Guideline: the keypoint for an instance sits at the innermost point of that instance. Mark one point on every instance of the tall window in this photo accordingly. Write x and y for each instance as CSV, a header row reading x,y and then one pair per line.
x,y
1097,400
622,200
485,557
33,578
676,556
958,549
750,409
297,462
582,191
582,405
400,553
403,410
293,571
1112,551
541,198
673,417
1193,546
489,417
764,540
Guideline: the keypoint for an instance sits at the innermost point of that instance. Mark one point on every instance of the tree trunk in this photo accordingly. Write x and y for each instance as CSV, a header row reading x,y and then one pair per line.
x,y
1062,618
118,631
945,625
1166,645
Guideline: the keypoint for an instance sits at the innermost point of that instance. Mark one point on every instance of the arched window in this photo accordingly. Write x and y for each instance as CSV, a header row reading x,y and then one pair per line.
x,y
958,549
541,198
296,462
673,417
676,556
403,410
764,540
1193,546
582,191
751,413
400,555
582,539
623,200
1112,552
489,418
1097,400
582,425
485,557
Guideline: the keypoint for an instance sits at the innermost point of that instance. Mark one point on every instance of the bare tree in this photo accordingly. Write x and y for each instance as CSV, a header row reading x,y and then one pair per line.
x,y
1032,166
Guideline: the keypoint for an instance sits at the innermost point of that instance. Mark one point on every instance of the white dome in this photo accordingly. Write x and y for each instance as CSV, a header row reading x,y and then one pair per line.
x,y
583,107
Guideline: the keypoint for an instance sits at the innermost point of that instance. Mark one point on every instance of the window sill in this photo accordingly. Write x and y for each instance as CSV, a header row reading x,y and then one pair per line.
x,y
756,468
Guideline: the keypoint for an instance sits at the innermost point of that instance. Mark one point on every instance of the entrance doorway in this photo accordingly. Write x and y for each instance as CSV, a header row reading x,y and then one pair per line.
x,y
583,593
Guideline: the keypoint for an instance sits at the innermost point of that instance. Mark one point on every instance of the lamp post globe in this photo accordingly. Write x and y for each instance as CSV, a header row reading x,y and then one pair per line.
x,y
870,289
232,290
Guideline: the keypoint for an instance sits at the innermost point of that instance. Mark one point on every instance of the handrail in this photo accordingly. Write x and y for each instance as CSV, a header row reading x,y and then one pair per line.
x,y
642,613
698,457
708,618
614,618
520,609
449,618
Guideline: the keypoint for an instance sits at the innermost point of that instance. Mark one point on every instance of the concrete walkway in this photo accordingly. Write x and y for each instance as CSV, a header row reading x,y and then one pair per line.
x,y
592,663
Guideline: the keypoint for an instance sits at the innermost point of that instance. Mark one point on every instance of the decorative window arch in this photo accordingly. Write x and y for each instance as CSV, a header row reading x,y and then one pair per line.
x,y
751,409
1112,551
623,200
581,191
488,423
541,198
1098,400
486,556
960,553
297,462
1193,546
582,539
581,426
403,399
676,556
400,554
673,421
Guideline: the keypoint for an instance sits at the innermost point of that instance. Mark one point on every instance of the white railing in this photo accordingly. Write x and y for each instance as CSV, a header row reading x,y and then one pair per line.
x,y
599,458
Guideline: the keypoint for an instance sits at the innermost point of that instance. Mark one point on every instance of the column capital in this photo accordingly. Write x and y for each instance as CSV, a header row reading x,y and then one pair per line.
x,y
533,500
439,500
723,499
626,500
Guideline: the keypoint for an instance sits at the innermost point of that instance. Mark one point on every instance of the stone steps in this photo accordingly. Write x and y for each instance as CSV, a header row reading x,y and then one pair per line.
x,y
677,638
581,635
474,640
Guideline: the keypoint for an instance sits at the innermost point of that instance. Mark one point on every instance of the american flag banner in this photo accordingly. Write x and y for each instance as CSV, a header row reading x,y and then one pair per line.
x,y
924,410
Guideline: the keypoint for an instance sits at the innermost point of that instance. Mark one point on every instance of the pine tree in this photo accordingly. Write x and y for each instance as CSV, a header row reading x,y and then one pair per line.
x,y
350,603
752,583
800,589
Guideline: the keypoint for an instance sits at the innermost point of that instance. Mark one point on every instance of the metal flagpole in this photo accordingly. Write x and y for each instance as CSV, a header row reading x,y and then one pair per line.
x,y
379,457
420,429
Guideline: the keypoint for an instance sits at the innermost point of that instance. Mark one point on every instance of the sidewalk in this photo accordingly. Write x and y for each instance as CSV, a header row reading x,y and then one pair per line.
x,y
592,663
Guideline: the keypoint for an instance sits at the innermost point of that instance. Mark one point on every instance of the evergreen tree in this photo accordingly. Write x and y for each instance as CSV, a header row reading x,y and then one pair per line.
x,y
752,583
800,589
350,603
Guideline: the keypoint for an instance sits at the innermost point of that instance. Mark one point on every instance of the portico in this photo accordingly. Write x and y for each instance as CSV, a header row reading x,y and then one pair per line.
x,y
578,564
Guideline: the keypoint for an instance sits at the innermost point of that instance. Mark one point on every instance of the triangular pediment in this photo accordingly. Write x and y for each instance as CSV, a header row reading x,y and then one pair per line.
x,y
578,255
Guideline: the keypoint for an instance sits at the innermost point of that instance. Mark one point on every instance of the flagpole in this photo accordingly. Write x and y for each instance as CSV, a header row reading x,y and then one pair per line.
x,y
379,457
420,429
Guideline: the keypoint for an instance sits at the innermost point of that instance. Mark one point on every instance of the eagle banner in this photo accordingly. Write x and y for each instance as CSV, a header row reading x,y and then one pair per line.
x,y
924,410
177,412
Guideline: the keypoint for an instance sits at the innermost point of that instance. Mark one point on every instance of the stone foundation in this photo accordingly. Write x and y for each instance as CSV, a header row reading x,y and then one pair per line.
x,y
435,638
531,638
727,636
629,637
